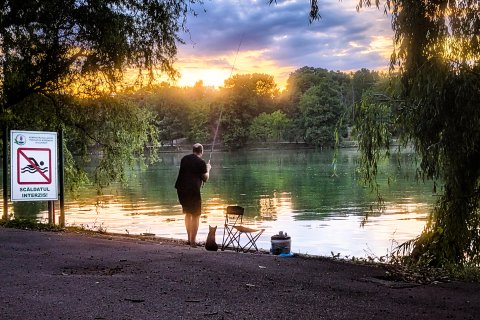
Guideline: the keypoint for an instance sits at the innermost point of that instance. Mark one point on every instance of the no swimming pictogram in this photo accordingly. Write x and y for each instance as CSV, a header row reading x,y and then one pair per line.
x,y
34,166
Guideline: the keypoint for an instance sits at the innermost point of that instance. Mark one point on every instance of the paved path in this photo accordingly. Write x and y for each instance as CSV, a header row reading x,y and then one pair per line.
x,y
78,276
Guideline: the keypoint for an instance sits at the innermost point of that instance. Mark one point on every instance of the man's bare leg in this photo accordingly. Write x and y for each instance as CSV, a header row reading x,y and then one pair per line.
x,y
194,224
188,223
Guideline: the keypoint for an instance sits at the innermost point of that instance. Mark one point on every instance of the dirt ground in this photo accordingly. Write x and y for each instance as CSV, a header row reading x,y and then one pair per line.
x,y
65,275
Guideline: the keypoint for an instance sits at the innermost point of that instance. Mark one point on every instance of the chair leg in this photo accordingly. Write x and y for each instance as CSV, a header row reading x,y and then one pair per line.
x,y
252,241
231,239
236,240
228,239
223,239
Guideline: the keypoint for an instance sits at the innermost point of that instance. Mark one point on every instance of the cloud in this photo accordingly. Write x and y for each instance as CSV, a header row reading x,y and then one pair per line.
x,y
280,39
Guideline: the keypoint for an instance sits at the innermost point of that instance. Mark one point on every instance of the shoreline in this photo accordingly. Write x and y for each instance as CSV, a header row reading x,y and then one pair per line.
x,y
394,272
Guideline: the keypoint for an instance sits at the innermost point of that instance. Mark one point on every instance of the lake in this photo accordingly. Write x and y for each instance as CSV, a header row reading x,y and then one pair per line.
x,y
294,191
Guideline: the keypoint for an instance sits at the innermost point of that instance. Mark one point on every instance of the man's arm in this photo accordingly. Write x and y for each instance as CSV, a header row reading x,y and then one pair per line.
x,y
206,175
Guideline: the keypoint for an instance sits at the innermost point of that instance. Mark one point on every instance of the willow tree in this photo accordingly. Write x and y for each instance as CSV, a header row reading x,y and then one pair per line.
x,y
437,56
53,52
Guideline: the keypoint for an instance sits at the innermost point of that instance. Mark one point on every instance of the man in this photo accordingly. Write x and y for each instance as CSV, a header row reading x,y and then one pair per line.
x,y
193,173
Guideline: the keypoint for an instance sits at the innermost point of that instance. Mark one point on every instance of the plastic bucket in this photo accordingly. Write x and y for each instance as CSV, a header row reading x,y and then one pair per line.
x,y
280,244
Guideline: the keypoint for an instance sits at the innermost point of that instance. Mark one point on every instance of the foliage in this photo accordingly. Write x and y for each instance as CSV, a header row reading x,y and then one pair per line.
x,y
180,112
437,58
246,96
117,131
321,107
170,106
269,127
349,89
199,123
29,224
363,80
55,52
50,45
300,81
112,129
249,93
234,131
373,132
170,127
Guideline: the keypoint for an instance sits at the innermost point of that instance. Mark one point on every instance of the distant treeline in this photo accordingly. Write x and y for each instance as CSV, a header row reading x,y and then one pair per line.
x,y
316,107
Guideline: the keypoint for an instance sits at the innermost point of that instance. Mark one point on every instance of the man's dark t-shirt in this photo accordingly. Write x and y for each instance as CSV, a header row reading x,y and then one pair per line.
x,y
189,182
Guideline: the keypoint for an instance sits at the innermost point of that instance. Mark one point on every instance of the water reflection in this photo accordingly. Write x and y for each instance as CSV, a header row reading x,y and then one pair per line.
x,y
292,191
28,210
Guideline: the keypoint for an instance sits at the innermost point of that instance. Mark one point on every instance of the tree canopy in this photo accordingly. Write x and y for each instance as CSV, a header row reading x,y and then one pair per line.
x,y
54,52
437,110
246,97
321,107
49,45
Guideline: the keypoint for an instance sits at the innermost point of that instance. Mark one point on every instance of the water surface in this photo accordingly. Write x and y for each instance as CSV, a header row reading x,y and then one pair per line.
x,y
295,191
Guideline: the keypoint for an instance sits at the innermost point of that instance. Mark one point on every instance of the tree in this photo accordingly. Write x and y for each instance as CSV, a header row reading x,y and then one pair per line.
x,y
170,127
53,50
363,80
235,132
372,126
244,98
112,127
304,79
50,45
180,112
199,122
300,81
437,58
171,108
321,107
269,127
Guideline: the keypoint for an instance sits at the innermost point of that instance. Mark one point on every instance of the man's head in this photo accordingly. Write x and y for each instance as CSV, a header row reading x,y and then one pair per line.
x,y
198,149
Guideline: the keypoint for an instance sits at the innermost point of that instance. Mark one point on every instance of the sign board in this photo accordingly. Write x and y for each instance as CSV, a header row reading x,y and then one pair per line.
x,y
33,165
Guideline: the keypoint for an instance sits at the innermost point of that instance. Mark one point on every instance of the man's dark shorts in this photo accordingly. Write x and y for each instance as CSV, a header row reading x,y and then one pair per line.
x,y
191,202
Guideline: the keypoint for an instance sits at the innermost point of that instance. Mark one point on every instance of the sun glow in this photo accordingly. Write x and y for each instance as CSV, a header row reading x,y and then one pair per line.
x,y
381,45
213,71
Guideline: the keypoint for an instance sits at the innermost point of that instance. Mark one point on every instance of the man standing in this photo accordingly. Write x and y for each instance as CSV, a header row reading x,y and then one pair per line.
x,y
193,172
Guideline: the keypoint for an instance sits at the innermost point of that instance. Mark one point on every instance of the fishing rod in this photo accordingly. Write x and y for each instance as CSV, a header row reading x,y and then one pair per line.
x,y
215,135
221,110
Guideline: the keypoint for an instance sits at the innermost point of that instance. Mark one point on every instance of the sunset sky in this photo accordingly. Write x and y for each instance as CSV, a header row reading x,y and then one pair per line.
x,y
279,39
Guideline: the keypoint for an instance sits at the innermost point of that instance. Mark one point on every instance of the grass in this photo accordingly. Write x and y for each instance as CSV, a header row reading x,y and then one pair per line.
x,y
29,224
32,224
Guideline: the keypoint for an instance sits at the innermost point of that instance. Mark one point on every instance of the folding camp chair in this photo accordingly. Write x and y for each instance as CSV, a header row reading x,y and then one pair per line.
x,y
234,228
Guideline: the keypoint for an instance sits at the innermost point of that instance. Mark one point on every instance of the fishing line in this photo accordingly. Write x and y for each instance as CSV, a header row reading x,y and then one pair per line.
x,y
221,110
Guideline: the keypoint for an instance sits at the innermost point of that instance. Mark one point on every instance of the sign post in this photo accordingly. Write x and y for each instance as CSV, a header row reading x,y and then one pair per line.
x,y
5,173
33,166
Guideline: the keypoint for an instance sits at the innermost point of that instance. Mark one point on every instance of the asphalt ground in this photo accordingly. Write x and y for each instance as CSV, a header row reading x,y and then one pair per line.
x,y
67,275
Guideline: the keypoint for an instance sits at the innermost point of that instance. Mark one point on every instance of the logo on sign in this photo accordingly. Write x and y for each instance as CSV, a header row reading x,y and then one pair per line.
x,y
34,166
20,139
